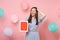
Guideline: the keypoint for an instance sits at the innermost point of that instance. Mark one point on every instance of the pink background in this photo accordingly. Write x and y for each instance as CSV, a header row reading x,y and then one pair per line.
x,y
50,7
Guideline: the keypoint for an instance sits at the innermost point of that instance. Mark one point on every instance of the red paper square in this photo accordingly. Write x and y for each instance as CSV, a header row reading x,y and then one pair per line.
x,y
23,26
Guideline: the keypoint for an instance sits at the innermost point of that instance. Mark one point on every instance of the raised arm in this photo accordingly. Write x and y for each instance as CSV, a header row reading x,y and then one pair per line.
x,y
42,16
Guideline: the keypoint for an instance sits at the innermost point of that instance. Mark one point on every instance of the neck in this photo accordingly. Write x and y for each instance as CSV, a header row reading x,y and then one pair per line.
x,y
33,16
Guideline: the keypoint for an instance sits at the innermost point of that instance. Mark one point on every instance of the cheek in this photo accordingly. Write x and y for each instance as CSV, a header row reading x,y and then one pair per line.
x,y
33,14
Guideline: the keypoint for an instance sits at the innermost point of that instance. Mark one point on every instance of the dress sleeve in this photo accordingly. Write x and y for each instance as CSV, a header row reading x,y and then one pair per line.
x,y
26,19
39,19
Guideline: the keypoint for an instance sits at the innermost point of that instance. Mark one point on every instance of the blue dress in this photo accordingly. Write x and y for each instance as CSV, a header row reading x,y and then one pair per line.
x,y
30,35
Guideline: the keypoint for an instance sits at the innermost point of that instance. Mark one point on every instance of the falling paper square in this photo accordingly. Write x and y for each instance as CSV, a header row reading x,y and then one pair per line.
x,y
23,26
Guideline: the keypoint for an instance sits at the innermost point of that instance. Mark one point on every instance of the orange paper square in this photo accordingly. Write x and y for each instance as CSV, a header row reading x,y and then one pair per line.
x,y
23,26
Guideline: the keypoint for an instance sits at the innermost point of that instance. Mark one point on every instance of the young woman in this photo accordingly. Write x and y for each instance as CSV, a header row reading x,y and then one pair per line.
x,y
33,20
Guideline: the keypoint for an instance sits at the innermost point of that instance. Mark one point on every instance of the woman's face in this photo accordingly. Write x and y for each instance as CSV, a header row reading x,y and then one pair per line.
x,y
33,12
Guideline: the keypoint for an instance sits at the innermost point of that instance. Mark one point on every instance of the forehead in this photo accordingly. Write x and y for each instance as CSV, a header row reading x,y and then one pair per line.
x,y
33,9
